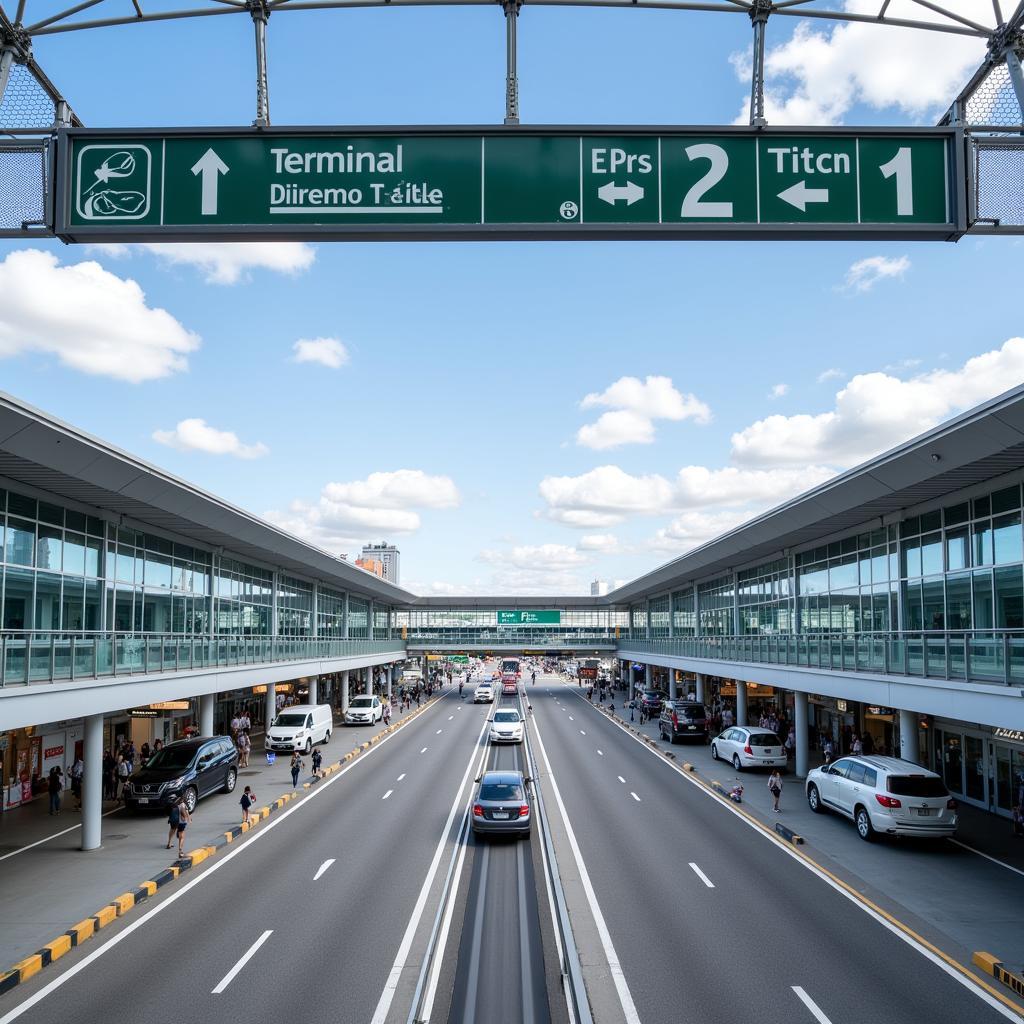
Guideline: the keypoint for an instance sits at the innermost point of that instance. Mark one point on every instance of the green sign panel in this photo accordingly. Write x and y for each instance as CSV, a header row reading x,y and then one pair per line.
x,y
518,183
542,617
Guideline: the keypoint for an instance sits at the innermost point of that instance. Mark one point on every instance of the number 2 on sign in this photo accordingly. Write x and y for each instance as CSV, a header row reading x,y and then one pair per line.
x,y
900,165
694,203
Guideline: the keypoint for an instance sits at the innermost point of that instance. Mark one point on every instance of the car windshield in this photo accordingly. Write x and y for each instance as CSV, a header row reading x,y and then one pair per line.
x,y
917,785
764,739
507,716
289,721
501,791
172,757
690,712
362,702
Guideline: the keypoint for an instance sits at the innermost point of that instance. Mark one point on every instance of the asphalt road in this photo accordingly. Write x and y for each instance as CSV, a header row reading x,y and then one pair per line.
x,y
333,927
711,921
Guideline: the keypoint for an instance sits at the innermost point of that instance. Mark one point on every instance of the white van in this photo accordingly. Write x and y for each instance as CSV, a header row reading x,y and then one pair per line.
x,y
300,727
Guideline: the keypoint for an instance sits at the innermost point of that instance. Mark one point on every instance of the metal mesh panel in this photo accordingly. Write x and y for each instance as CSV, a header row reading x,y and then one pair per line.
x,y
994,101
23,174
999,180
25,104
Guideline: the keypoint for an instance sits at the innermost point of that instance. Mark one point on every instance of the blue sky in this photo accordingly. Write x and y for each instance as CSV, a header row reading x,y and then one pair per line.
x,y
467,364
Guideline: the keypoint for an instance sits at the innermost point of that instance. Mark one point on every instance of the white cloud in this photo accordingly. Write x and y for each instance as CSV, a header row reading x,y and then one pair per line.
x,y
691,529
327,352
384,503
90,319
225,262
635,405
603,542
818,75
866,273
778,390
700,487
196,435
830,374
535,569
875,411
531,556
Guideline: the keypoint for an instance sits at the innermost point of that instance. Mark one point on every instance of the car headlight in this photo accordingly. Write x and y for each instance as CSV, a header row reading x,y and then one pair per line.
x,y
175,783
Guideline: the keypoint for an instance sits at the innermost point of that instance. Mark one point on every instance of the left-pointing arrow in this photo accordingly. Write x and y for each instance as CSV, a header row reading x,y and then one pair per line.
x,y
210,166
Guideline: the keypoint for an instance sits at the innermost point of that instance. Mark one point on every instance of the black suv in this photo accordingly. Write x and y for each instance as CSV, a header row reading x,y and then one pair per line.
x,y
683,719
190,768
652,701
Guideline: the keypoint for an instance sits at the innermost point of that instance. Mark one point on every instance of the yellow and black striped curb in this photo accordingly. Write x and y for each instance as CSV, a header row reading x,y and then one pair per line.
x,y
121,905
991,965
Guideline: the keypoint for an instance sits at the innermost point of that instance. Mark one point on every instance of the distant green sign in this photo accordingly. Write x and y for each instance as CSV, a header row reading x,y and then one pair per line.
x,y
460,659
545,617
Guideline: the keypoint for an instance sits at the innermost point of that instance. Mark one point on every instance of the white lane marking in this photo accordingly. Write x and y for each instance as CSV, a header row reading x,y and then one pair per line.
x,y
910,940
700,874
811,1005
601,753
582,733
571,719
438,733
621,779
450,717
230,976
56,835
322,869
614,966
400,777
957,842
634,796
217,865
387,794
424,750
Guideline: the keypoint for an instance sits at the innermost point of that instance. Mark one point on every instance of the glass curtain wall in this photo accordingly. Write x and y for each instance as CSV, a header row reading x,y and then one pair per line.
x,y
765,598
244,599
294,607
684,621
716,607
330,613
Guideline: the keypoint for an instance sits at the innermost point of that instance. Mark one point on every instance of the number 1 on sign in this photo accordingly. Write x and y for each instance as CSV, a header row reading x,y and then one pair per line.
x,y
900,165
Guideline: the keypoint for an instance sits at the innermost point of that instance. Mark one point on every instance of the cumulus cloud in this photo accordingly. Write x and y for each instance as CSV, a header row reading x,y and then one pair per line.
x,y
778,390
866,273
830,374
327,352
383,503
691,529
535,568
224,262
875,411
635,404
818,75
196,435
602,542
90,319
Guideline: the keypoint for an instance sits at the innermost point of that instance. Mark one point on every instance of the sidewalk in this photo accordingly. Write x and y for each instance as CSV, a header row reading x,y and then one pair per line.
x,y
47,883
970,889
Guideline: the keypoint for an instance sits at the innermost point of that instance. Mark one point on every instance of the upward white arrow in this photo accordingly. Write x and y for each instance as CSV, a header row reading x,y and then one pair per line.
x,y
210,166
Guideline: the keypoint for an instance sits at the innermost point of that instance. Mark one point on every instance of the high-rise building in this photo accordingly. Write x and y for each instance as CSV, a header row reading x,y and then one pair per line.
x,y
374,565
389,556
598,588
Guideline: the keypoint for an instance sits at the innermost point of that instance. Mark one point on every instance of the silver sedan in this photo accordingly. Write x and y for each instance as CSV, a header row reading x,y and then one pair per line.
x,y
502,805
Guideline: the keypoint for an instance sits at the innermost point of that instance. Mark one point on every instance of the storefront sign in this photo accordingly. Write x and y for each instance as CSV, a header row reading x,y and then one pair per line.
x,y
879,711
170,705
1009,734
840,705
259,689
143,713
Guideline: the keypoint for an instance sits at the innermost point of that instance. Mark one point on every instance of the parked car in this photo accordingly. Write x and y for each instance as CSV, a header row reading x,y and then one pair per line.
x,y
652,701
506,726
364,710
885,795
191,768
746,747
502,805
300,727
683,719
483,694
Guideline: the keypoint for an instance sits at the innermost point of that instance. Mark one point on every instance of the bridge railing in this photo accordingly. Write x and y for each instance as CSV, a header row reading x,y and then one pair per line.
x,y
986,656
55,657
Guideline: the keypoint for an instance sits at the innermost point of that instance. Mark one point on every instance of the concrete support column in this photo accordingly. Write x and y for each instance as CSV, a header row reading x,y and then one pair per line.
x,y
344,691
392,674
314,689
368,678
700,687
270,705
648,676
910,747
207,703
92,783
741,702
672,683
800,714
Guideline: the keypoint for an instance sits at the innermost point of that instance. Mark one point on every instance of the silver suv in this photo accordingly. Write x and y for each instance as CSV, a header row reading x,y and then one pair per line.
x,y
884,795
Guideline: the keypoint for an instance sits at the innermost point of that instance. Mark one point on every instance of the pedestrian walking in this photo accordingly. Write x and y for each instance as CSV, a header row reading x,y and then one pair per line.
x,y
790,743
54,785
109,776
179,819
827,750
124,769
775,788
386,714
856,747
296,767
77,771
632,708
244,749
248,799
318,759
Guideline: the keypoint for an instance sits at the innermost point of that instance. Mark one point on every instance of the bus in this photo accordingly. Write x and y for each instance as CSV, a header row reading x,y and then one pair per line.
x,y
510,666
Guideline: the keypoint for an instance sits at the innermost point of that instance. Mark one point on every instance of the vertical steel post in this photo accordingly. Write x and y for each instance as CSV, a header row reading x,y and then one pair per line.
x,y
759,12
1016,78
511,8
6,60
260,14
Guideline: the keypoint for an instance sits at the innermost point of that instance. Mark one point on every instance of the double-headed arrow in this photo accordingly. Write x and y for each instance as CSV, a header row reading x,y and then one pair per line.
x,y
799,195
612,193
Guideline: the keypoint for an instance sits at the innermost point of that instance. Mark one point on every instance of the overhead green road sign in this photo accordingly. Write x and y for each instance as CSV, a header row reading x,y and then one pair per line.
x,y
523,617
511,183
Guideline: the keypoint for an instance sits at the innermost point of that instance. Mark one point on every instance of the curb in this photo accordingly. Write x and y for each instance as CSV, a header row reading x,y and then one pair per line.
x,y
991,966
788,834
121,905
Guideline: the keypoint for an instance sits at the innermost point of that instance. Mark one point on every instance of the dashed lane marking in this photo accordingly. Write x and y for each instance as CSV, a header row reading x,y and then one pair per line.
x,y
622,780
387,794
600,753
634,796
322,869
811,1005
450,717
246,957
582,733
700,874
571,719
400,777
424,750
438,733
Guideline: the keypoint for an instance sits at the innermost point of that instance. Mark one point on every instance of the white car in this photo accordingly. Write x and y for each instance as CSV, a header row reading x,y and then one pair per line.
x,y
483,694
743,746
506,726
300,727
883,795
364,710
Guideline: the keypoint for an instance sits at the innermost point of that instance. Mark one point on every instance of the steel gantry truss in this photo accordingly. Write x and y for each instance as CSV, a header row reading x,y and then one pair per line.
x,y
991,105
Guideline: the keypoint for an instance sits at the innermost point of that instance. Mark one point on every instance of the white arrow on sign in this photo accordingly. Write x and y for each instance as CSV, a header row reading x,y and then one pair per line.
x,y
799,195
211,167
612,193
